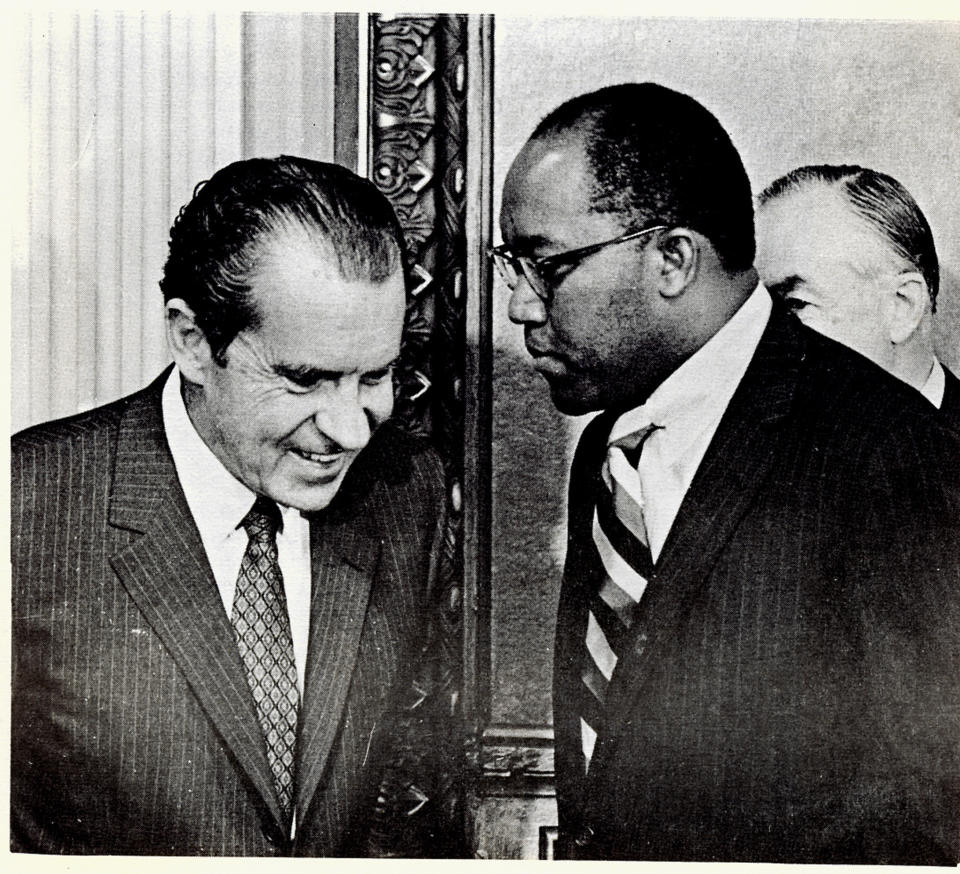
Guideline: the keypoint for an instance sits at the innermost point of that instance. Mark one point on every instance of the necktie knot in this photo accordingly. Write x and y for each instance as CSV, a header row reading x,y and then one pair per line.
x,y
632,444
263,521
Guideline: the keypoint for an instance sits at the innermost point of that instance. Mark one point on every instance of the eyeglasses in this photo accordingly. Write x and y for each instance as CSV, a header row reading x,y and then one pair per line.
x,y
540,273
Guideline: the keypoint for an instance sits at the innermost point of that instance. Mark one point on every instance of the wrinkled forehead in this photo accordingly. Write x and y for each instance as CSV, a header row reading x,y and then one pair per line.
x,y
549,186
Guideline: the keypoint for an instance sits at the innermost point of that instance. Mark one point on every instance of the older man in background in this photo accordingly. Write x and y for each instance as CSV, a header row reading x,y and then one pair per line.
x,y
220,582
853,255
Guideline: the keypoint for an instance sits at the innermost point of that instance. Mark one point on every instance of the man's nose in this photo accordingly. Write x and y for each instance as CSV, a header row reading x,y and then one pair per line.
x,y
342,418
525,306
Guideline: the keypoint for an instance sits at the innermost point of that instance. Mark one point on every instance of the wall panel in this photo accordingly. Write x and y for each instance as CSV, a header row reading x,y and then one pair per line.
x,y
288,70
35,346
19,208
87,231
122,124
122,115
104,290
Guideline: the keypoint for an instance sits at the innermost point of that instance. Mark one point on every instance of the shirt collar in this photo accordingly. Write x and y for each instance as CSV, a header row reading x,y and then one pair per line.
x,y
935,385
217,500
698,392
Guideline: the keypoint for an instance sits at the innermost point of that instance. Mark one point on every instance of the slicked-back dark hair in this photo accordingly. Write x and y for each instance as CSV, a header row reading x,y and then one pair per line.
x,y
658,156
218,237
883,204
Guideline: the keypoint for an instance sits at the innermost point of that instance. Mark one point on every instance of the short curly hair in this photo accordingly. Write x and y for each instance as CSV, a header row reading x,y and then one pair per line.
x,y
218,237
660,157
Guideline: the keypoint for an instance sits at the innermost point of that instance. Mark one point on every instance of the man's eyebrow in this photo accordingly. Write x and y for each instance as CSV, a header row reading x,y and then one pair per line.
x,y
304,373
524,245
784,286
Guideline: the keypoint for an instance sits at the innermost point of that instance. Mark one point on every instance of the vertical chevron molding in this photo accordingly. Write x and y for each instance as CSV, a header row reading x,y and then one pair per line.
x,y
417,158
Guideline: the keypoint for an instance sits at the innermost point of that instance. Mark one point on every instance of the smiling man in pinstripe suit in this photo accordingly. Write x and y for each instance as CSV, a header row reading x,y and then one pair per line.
x,y
758,635
220,582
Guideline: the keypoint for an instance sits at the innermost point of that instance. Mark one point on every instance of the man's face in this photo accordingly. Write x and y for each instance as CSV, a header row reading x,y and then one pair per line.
x,y
301,393
599,341
819,256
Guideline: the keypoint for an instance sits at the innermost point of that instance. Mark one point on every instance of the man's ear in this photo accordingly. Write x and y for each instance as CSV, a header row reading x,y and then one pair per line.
x,y
188,344
680,251
906,300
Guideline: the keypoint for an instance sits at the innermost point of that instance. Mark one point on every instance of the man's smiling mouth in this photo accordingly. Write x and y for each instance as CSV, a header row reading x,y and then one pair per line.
x,y
324,458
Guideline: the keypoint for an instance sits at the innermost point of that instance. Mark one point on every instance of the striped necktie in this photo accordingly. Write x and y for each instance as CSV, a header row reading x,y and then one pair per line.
x,y
262,625
620,538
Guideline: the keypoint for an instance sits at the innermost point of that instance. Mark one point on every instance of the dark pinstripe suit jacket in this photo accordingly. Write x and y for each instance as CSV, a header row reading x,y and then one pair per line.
x,y
133,727
950,408
791,691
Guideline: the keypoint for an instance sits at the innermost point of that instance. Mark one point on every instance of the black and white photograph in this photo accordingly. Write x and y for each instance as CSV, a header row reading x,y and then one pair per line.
x,y
485,435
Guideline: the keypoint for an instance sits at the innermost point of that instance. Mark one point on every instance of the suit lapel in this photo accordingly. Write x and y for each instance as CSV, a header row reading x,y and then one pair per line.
x,y
736,464
344,552
950,406
166,572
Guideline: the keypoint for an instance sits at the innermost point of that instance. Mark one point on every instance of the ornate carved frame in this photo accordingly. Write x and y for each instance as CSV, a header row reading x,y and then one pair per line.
x,y
430,151
417,156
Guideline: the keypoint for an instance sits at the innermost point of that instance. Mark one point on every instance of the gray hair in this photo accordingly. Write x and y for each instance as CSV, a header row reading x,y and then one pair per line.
x,y
882,202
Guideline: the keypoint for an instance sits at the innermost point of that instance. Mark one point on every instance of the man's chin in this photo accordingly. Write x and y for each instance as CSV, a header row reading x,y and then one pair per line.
x,y
569,401
308,497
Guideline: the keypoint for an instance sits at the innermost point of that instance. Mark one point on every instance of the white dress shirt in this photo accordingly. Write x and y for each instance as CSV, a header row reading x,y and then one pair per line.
x,y
687,408
935,385
218,502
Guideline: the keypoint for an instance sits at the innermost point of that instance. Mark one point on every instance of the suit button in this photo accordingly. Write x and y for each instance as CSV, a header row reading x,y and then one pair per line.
x,y
584,837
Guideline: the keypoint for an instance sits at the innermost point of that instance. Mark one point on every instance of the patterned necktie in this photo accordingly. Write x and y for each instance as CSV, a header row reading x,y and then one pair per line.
x,y
262,625
620,538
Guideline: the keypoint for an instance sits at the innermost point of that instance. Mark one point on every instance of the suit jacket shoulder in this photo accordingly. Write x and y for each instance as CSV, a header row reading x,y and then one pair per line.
x,y
789,685
134,727
62,477
84,436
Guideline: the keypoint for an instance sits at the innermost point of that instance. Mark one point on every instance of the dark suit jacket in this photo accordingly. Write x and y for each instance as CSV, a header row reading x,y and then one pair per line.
x,y
792,687
134,730
950,408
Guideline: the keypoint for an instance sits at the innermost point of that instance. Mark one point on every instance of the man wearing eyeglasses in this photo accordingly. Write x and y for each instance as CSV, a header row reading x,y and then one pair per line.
x,y
758,635
849,250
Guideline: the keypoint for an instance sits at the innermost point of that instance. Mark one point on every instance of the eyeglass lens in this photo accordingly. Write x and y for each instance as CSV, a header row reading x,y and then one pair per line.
x,y
507,269
512,268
